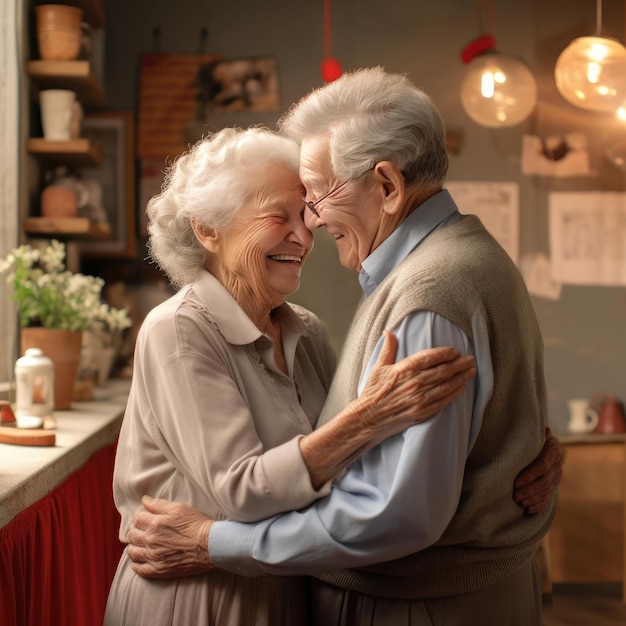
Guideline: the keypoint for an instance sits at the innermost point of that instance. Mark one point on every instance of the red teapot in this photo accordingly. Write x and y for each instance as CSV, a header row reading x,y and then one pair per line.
x,y
611,418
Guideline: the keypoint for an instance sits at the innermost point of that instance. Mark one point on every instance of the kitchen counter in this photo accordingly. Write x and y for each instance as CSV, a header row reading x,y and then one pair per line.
x,y
588,536
28,473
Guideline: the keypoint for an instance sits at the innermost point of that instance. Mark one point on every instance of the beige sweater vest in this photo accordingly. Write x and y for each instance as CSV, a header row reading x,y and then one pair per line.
x,y
456,271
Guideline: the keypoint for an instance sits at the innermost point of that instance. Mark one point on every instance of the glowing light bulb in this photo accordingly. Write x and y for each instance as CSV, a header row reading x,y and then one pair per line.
x,y
598,51
487,85
591,73
498,90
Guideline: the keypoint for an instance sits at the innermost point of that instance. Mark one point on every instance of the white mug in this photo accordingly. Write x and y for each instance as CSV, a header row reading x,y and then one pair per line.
x,y
582,418
57,107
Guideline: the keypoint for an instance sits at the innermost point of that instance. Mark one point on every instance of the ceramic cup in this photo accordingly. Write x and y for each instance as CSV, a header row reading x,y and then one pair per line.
x,y
57,111
582,418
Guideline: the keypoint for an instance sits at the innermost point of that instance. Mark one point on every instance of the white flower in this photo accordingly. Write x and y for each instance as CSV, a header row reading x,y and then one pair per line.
x,y
44,280
50,296
53,257
5,264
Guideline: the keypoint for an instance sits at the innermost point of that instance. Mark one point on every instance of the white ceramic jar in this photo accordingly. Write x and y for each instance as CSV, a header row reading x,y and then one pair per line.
x,y
34,389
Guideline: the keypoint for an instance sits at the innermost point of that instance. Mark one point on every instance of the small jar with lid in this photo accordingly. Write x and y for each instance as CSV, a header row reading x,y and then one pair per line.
x,y
34,389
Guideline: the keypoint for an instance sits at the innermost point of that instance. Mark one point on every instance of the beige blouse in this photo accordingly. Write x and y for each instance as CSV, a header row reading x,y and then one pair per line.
x,y
210,419
213,422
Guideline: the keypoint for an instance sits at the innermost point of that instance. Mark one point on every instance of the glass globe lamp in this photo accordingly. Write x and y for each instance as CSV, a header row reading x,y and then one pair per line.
x,y
591,74
498,90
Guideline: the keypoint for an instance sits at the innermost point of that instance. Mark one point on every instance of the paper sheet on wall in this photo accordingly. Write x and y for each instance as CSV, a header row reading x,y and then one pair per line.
x,y
588,237
497,206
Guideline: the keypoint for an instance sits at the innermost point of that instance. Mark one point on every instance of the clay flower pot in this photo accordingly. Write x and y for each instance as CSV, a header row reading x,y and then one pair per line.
x,y
58,201
63,348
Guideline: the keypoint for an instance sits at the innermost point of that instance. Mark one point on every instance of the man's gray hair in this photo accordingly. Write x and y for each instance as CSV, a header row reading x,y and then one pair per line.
x,y
208,185
370,116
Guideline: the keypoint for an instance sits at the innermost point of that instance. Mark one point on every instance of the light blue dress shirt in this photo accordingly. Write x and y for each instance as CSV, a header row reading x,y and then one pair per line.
x,y
398,497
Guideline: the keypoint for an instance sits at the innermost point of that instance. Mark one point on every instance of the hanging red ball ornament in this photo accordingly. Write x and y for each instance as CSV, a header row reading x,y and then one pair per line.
x,y
330,66
331,69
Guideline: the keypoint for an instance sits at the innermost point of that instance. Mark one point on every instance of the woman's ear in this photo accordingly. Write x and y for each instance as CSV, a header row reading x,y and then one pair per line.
x,y
392,183
208,237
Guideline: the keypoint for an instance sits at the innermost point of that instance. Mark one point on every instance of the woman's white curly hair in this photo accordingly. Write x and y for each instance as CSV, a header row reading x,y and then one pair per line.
x,y
207,186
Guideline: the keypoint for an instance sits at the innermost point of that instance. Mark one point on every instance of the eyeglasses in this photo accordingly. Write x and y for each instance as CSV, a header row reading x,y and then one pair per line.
x,y
311,205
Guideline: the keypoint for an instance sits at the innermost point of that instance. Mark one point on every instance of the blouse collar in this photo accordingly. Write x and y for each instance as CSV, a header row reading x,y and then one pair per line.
x,y
231,319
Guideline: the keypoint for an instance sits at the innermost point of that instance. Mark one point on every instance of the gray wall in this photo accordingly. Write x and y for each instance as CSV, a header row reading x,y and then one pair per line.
x,y
583,331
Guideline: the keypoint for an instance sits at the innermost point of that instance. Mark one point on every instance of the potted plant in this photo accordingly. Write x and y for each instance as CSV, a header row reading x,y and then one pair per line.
x,y
102,340
54,307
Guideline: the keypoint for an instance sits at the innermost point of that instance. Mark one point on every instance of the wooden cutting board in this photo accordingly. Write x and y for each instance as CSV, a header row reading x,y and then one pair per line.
x,y
27,436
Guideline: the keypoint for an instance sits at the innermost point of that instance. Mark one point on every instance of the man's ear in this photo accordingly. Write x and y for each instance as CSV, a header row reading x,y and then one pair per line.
x,y
392,184
208,237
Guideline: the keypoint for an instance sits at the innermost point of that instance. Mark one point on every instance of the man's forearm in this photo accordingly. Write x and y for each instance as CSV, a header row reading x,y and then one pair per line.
x,y
338,530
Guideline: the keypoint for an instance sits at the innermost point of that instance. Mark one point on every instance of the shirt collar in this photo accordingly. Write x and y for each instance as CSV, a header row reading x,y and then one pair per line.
x,y
234,324
431,214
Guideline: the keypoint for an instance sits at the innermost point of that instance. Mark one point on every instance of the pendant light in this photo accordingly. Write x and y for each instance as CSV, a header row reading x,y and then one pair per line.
x,y
498,89
331,67
591,72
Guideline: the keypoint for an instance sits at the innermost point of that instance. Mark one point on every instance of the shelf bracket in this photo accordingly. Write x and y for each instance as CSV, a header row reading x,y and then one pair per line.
x,y
202,40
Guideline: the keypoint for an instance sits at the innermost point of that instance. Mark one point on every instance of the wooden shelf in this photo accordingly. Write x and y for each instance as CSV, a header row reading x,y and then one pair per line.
x,y
71,152
74,75
71,226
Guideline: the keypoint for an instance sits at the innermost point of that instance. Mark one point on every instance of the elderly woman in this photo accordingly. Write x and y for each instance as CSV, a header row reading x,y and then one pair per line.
x,y
229,379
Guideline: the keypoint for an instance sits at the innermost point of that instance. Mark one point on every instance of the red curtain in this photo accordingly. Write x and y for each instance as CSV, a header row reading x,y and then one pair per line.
x,y
58,557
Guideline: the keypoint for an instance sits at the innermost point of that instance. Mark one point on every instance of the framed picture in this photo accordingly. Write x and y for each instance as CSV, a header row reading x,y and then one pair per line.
x,y
111,185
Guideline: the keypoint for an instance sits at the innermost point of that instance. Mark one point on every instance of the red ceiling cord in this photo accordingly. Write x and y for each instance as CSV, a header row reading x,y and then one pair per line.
x,y
331,68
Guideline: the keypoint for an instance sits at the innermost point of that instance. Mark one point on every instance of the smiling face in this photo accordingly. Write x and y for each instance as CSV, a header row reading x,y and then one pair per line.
x,y
259,256
352,215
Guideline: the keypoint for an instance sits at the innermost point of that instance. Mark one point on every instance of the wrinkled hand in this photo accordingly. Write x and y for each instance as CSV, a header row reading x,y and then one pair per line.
x,y
413,389
169,540
536,482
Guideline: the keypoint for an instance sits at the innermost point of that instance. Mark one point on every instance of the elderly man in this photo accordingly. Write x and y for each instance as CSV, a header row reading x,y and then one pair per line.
x,y
421,529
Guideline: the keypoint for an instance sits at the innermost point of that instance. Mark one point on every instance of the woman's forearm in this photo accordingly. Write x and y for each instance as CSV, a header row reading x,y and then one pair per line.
x,y
329,449
397,396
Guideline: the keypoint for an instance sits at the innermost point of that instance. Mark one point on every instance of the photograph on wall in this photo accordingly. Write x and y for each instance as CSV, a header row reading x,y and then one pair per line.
x,y
110,185
238,85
